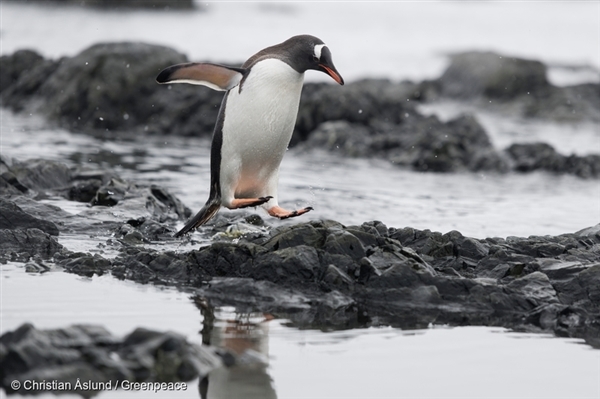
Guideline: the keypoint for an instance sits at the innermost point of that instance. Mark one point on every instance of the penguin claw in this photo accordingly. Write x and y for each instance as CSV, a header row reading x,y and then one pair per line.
x,y
281,213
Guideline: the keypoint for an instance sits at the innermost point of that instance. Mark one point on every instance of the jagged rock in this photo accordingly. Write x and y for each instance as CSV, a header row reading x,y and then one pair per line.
x,y
149,208
12,66
541,156
492,75
89,353
112,86
13,218
421,143
21,245
362,102
513,86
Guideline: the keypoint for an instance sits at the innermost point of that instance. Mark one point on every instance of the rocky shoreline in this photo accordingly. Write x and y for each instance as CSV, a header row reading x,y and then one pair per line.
x,y
110,89
318,273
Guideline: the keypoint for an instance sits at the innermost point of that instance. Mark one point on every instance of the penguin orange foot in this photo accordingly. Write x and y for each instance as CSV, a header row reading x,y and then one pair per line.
x,y
240,203
255,122
281,213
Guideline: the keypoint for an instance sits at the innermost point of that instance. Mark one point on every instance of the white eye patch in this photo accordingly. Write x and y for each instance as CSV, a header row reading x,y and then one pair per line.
x,y
318,49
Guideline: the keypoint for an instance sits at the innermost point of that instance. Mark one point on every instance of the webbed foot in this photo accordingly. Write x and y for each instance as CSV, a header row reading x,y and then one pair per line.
x,y
239,203
281,213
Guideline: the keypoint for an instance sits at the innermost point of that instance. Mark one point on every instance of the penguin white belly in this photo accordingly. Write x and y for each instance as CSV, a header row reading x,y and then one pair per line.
x,y
257,128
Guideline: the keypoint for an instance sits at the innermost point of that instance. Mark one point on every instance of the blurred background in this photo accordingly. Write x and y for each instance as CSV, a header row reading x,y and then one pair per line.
x,y
395,40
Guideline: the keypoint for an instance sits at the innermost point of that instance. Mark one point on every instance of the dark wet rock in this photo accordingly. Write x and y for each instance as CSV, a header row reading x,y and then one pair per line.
x,y
541,156
460,144
147,209
38,175
537,289
418,142
492,75
12,66
160,202
83,264
514,86
84,186
89,353
404,277
162,268
376,118
10,185
21,245
567,104
23,73
363,103
14,218
112,86
336,118
111,193
342,137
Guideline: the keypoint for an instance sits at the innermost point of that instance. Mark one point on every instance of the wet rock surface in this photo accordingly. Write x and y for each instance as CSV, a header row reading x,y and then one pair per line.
x,y
458,145
111,88
27,182
320,273
475,74
541,156
516,86
87,359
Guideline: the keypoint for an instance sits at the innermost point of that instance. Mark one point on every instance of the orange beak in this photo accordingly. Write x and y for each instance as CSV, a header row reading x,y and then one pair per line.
x,y
333,73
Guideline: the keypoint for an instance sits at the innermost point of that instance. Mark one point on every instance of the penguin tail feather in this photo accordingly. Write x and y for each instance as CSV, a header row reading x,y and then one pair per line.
x,y
209,210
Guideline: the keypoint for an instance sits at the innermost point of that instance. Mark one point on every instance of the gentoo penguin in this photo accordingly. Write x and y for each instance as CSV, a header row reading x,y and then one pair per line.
x,y
255,122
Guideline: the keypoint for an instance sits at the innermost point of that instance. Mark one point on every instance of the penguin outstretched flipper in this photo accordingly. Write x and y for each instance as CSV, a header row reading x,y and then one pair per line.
x,y
217,77
209,210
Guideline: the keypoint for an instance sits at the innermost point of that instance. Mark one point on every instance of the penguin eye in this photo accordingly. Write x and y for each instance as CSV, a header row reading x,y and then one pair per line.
x,y
315,58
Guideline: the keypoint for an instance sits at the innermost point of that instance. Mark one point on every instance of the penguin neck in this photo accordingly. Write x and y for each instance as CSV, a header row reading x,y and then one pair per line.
x,y
274,73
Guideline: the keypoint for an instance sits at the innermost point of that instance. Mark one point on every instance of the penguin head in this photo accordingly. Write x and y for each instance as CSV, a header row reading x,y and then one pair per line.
x,y
302,52
309,52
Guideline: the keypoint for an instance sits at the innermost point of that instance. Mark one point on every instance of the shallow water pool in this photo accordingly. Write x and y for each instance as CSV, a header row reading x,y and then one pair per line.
x,y
437,362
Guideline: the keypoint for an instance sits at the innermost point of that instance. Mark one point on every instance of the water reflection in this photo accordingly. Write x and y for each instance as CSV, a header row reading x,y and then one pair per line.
x,y
244,338
263,357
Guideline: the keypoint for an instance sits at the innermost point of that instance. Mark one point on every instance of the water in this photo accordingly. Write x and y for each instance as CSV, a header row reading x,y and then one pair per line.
x,y
438,362
403,40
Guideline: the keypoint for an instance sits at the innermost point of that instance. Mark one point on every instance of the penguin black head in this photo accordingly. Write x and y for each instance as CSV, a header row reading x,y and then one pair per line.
x,y
302,52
